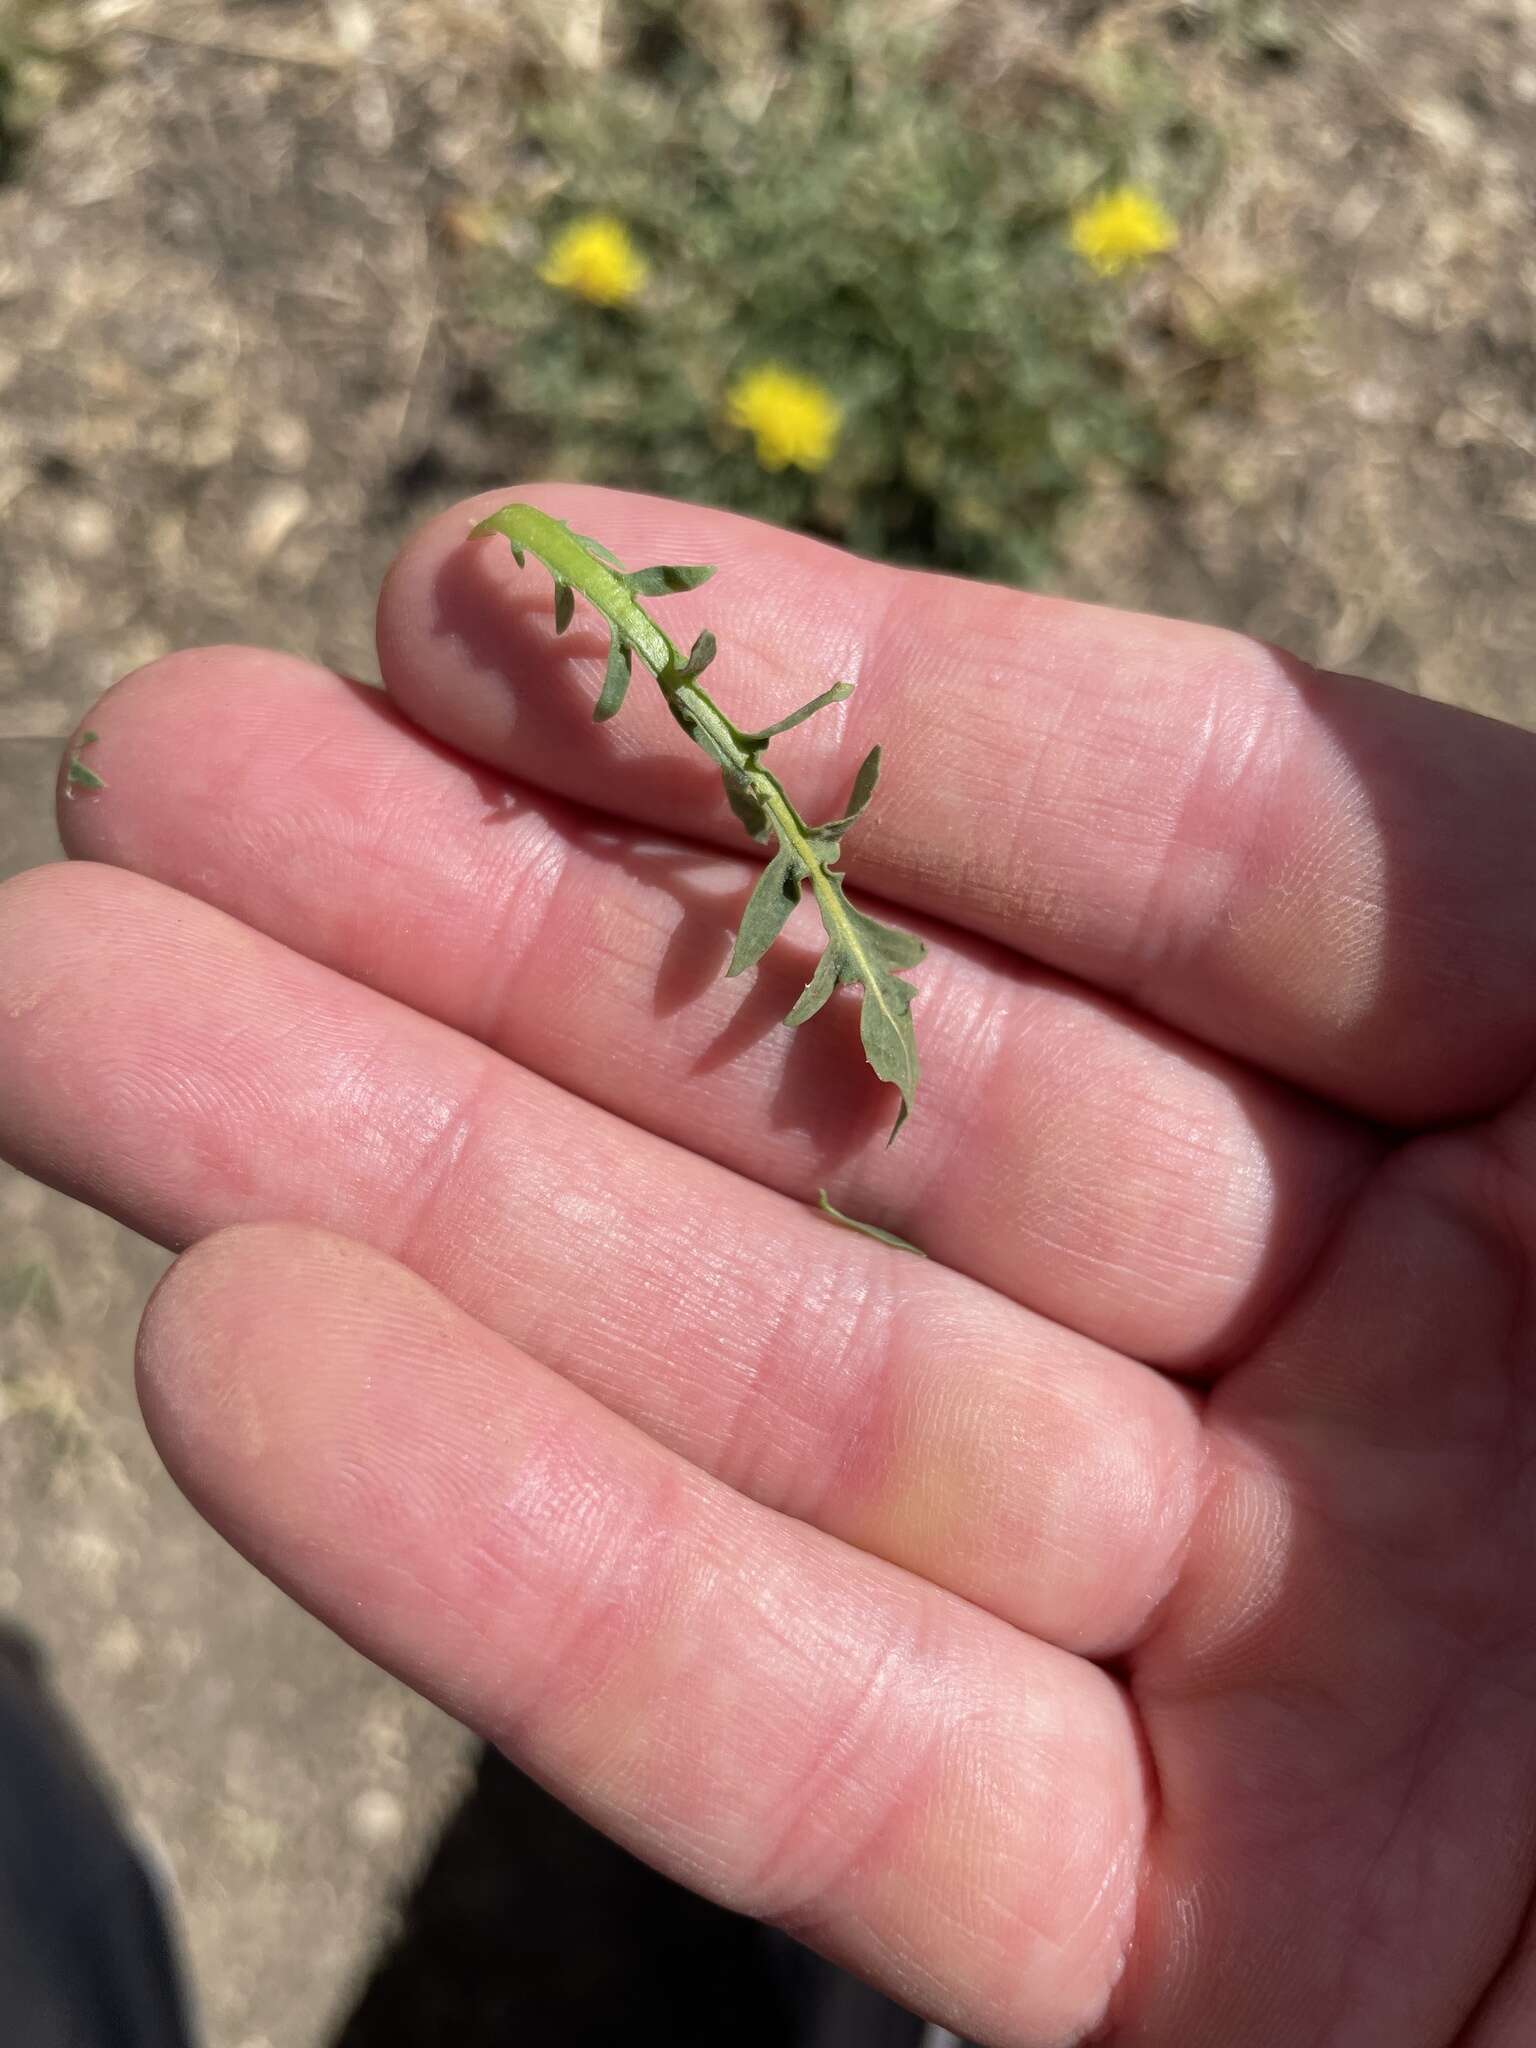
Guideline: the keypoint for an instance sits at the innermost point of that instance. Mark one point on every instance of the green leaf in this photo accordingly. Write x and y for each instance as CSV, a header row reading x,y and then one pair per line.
x,y
836,695
863,789
768,907
700,655
885,944
565,605
77,775
885,1025
861,950
585,540
670,577
900,1244
817,990
615,680
595,547
749,812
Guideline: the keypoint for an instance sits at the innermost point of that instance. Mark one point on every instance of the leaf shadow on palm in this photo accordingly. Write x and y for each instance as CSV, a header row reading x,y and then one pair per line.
x,y
825,1089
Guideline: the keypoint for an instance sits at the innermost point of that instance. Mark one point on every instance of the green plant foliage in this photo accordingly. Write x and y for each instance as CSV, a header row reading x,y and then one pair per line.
x,y
30,1289
76,774
39,65
851,212
859,949
1264,30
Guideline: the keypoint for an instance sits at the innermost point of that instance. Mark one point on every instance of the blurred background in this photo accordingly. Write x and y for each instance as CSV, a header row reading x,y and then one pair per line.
x,y
1215,307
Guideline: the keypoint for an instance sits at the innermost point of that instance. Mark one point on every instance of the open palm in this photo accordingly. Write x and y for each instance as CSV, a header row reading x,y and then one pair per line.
x,y
1125,1620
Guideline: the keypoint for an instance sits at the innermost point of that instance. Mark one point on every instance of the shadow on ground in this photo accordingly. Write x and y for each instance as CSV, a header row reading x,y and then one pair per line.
x,y
526,1924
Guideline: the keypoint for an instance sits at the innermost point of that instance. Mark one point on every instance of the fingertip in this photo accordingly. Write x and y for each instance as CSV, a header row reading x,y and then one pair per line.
x,y
254,1362
146,717
50,917
209,1319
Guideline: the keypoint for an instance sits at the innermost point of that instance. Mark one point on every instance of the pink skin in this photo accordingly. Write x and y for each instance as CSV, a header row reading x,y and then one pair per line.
x,y
1120,1623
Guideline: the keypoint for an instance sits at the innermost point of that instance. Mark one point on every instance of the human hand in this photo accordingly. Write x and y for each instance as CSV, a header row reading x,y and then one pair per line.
x,y
1123,1620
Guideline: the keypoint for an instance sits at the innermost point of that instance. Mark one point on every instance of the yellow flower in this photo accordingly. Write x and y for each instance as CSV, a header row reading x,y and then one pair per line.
x,y
596,259
1121,229
793,419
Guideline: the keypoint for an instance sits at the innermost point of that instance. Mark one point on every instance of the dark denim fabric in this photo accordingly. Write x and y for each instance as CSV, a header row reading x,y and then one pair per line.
x,y
86,1959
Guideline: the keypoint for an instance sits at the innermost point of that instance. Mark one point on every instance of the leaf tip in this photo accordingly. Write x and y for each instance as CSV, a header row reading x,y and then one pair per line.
x,y
700,655
615,679
886,1237
494,523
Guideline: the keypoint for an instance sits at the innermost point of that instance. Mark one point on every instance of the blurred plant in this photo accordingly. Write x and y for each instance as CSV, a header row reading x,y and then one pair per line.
x,y
30,1288
39,63
1264,30
864,314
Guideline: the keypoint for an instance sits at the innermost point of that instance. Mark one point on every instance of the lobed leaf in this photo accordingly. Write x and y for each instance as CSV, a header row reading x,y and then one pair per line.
x,y
595,547
749,812
768,908
836,695
862,951
700,655
669,577
615,680
817,991
863,789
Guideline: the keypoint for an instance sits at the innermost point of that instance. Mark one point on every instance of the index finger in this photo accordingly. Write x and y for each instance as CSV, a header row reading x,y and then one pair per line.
x,y
1317,873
